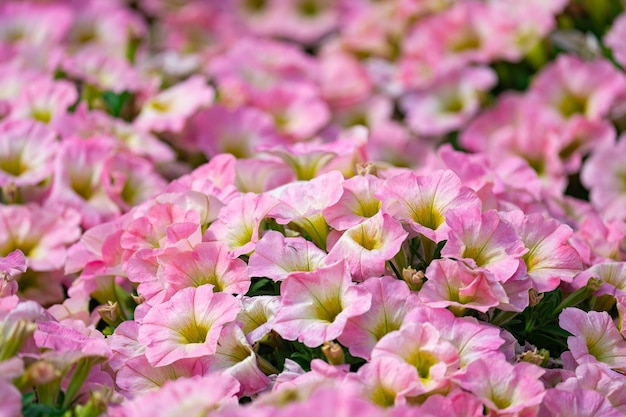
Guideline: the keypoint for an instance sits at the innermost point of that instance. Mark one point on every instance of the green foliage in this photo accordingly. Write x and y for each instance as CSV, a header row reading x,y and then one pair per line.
x,y
539,325
115,102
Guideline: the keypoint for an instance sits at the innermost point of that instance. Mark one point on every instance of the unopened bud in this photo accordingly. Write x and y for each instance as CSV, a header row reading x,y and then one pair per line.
x,y
535,357
138,299
333,353
366,168
42,372
415,279
534,297
110,313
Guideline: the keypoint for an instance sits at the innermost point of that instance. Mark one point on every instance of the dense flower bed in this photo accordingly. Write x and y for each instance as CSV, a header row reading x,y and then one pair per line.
x,y
313,208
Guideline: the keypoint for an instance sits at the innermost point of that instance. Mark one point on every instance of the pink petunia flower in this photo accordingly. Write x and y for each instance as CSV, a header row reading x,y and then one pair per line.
x,y
206,263
505,389
572,86
423,200
595,338
44,100
184,396
41,233
276,256
613,39
27,150
234,356
357,203
449,102
391,301
577,403
367,246
452,283
421,345
315,306
170,109
238,222
186,326
484,240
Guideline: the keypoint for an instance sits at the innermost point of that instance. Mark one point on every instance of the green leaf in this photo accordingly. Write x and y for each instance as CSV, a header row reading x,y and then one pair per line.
x,y
115,102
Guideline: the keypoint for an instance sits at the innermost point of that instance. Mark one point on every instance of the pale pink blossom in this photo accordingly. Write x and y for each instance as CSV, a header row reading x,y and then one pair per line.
x,y
573,86
276,256
188,325
27,150
604,175
424,347
315,306
356,204
41,233
238,131
550,259
170,109
452,283
595,338
206,263
234,356
44,100
387,380
391,300
368,245
423,200
239,220
77,181
505,389
302,202
449,102
484,240
256,317
577,403
613,39
598,377
472,339
185,396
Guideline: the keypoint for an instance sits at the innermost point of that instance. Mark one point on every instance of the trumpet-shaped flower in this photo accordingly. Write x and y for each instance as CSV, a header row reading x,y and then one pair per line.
x,y
257,316
367,246
391,300
472,339
276,256
549,259
388,380
42,234
315,306
27,150
44,100
484,240
238,222
234,356
137,376
195,396
186,326
597,377
421,345
206,263
357,203
577,403
170,109
302,203
452,283
78,178
423,200
505,389
595,338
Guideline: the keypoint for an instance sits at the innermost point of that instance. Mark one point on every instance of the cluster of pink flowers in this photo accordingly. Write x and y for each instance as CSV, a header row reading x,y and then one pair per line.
x,y
261,207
